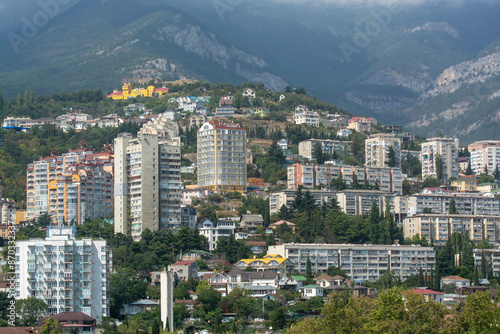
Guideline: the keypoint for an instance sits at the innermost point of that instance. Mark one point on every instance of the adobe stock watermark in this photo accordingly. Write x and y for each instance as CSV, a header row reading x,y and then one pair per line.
x,y
31,26
11,276
223,6
364,34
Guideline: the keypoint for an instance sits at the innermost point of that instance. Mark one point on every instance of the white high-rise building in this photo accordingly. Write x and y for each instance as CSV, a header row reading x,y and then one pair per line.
x,y
377,149
69,275
221,157
447,148
147,185
484,155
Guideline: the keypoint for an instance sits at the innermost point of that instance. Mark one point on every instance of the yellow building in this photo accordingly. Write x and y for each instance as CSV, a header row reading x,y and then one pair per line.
x,y
221,157
127,92
273,262
465,185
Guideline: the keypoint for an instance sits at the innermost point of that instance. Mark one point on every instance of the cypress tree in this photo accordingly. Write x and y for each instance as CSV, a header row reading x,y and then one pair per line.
x,y
374,224
483,265
308,268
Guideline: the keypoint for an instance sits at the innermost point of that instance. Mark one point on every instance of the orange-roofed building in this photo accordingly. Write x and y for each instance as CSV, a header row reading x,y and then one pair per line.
x,y
278,223
161,91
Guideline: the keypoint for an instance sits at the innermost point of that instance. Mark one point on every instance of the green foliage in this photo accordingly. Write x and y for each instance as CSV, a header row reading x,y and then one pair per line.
x,y
51,326
453,207
278,319
124,289
208,297
234,250
30,311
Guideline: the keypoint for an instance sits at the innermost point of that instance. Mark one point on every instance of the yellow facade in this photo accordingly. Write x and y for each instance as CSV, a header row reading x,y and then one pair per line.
x,y
127,92
465,185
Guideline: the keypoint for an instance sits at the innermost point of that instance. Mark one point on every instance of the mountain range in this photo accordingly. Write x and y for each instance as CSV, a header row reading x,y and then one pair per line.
x,y
431,66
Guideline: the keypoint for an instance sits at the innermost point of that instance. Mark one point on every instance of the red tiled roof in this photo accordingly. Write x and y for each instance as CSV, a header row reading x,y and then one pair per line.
x,y
20,330
183,263
255,243
426,291
71,316
455,278
115,94
282,222
185,301
163,89
207,276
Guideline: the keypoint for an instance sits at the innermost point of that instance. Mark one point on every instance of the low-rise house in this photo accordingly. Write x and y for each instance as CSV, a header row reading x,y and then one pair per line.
x,y
259,283
344,133
311,290
251,222
280,222
355,290
249,93
75,321
428,294
214,231
141,306
292,282
458,281
184,270
324,280
189,303
189,194
283,144
218,281
257,247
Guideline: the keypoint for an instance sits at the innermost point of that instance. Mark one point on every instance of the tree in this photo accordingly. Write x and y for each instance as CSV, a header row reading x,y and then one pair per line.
x,y
374,223
278,319
318,153
30,311
51,326
270,240
207,296
469,171
155,329
308,268
391,157
479,315
439,167
453,207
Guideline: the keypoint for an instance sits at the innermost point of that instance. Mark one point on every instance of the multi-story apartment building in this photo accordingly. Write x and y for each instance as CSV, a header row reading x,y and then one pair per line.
x,y
69,275
360,124
221,157
361,262
484,155
306,117
492,257
377,149
352,202
466,204
8,211
162,127
214,231
359,202
286,197
439,227
197,120
306,147
310,176
47,190
147,184
447,148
